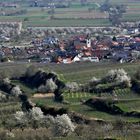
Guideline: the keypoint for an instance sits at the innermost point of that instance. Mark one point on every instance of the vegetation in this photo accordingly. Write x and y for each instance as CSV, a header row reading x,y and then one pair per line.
x,y
84,110
80,101
115,12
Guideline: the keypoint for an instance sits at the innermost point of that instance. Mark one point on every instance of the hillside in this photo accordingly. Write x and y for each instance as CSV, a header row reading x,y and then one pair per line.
x,y
81,105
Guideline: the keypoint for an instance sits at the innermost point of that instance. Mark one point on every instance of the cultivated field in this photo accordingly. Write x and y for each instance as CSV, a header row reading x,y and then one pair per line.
x,y
70,72
73,16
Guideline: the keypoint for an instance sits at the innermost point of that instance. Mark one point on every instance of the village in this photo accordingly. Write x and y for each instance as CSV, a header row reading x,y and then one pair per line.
x,y
69,69
113,42
63,45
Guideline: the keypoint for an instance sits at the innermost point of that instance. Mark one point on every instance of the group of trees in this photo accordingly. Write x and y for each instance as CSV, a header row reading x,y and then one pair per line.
x,y
61,125
115,12
83,2
49,87
44,82
136,82
16,13
113,80
117,78
16,92
32,116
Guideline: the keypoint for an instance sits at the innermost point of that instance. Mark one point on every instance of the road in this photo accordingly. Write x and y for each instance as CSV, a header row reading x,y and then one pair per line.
x,y
69,27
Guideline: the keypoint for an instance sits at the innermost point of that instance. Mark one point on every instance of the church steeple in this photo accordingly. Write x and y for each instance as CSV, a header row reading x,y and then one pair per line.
x,y
88,41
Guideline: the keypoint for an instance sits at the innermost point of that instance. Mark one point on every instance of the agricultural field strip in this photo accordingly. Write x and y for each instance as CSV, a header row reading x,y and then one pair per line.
x,y
76,95
131,106
72,71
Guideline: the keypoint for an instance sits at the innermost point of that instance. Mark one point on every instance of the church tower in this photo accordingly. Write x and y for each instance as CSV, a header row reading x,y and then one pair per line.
x,y
88,41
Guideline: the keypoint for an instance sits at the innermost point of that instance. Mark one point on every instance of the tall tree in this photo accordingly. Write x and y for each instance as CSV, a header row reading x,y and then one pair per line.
x,y
83,2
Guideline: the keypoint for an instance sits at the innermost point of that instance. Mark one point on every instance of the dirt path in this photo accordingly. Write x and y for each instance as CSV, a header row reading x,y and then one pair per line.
x,y
41,95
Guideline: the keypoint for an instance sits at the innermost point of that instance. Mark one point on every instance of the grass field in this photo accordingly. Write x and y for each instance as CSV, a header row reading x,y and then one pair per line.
x,y
130,106
69,22
71,72
89,70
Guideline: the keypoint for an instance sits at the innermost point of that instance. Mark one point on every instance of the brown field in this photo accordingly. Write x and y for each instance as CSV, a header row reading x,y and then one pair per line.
x,y
42,95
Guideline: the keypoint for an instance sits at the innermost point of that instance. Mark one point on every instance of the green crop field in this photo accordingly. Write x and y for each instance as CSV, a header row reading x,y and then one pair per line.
x,y
38,17
71,72
89,70
130,106
67,23
131,17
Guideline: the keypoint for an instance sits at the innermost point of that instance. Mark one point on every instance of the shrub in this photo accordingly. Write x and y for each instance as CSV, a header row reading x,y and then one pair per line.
x,y
50,86
117,76
137,75
10,135
3,75
63,125
21,117
72,86
136,85
5,59
94,81
26,19
3,135
48,120
16,91
136,82
33,118
36,114
31,70
2,97
6,81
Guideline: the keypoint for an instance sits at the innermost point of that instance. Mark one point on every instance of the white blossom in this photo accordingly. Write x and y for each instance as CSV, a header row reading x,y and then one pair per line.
x,y
10,135
36,114
16,91
63,125
50,86
21,117
2,96
94,79
49,120
118,76
72,86
6,81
